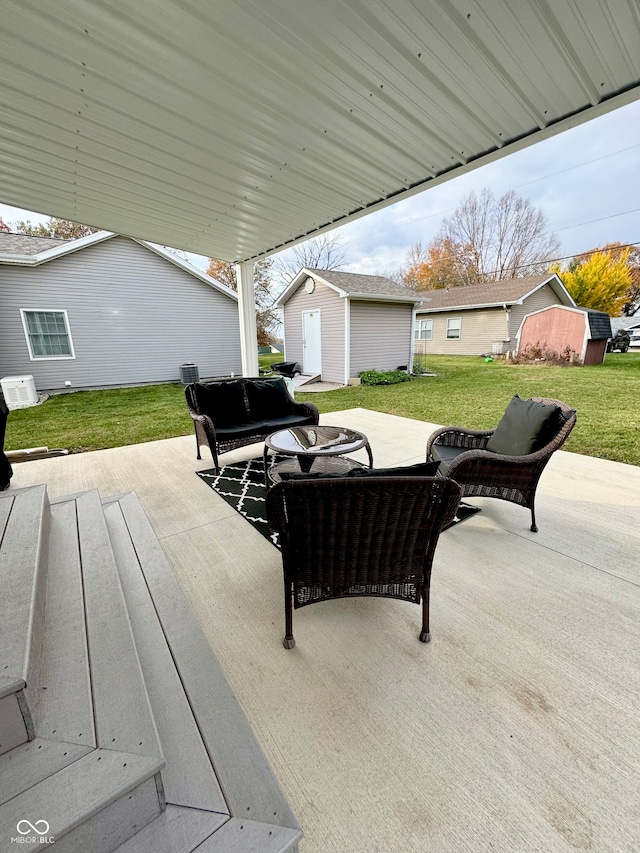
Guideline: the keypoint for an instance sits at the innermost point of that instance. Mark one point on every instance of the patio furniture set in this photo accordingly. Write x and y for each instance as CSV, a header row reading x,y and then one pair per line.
x,y
346,529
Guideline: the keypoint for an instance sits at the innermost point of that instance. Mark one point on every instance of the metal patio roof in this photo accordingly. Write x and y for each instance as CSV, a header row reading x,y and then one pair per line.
x,y
233,128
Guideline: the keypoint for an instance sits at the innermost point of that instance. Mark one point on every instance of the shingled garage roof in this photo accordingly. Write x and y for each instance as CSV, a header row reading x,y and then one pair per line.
x,y
366,286
493,293
234,128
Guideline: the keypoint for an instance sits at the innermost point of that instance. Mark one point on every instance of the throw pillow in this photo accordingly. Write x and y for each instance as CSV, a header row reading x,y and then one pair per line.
x,y
223,402
521,426
268,398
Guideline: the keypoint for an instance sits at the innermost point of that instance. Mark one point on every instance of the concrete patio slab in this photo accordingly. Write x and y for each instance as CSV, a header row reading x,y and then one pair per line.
x,y
514,730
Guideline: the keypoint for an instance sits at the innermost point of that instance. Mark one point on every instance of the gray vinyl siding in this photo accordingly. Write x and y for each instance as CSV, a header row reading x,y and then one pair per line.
x,y
332,328
380,336
542,298
134,318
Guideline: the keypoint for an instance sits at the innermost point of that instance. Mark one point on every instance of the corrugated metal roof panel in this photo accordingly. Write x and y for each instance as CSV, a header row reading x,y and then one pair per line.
x,y
234,127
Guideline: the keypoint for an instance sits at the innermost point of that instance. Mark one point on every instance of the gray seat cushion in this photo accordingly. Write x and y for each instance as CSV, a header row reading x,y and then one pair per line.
x,y
444,455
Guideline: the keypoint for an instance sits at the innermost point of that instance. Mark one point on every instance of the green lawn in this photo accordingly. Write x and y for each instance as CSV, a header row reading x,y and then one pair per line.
x,y
467,391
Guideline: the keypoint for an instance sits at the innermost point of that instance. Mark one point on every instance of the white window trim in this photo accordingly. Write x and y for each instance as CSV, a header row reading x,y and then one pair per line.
x,y
459,329
418,330
32,357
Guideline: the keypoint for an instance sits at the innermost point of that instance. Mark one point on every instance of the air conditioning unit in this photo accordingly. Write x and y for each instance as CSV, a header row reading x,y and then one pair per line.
x,y
19,391
189,373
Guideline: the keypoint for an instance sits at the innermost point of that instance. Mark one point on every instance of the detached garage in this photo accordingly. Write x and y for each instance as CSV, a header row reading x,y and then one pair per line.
x,y
561,329
337,324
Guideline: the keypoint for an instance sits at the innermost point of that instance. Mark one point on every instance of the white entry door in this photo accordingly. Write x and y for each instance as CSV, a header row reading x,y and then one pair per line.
x,y
312,353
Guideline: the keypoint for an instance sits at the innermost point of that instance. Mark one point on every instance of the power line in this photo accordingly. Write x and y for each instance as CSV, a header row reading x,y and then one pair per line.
x,y
528,183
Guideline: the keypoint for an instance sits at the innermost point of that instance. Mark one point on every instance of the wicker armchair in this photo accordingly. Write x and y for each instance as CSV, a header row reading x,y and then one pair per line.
x,y
373,536
485,474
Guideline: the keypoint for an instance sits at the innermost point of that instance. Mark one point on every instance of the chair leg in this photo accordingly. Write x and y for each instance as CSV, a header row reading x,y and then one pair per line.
x,y
425,635
534,526
288,641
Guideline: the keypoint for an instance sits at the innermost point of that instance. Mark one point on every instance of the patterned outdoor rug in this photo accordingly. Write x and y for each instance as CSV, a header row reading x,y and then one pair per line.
x,y
242,486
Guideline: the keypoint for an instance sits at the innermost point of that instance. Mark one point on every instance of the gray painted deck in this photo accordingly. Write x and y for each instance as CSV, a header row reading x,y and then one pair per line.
x,y
130,709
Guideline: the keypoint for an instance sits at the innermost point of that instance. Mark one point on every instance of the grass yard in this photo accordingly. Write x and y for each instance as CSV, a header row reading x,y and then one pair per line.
x,y
465,390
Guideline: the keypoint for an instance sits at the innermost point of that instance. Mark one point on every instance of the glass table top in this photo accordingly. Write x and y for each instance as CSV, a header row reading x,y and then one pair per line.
x,y
316,440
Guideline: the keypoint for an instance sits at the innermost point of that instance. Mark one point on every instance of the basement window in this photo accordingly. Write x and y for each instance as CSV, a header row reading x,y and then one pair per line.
x,y
47,334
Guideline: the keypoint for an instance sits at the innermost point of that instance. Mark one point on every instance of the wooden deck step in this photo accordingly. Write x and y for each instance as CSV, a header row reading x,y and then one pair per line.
x,y
95,764
122,712
63,706
139,745
94,804
33,762
189,779
206,720
24,518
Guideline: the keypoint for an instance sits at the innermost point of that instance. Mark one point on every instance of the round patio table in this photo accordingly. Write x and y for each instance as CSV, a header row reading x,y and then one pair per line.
x,y
319,447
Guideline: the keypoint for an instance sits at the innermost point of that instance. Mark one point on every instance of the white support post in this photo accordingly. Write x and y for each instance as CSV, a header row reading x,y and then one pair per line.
x,y
247,312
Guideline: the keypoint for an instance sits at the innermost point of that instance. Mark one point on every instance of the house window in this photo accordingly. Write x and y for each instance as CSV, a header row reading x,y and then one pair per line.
x,y
47,334
424,330
454,325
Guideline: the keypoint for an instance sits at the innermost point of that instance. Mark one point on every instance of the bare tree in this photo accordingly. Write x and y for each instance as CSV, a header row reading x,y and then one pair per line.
x,y
326,252
505,237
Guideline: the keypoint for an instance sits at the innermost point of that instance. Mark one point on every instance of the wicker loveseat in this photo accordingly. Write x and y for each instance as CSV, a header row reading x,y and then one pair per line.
x,y
232,413
507,468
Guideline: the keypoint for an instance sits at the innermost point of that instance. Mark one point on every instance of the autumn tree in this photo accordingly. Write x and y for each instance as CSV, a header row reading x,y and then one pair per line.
x,y
62,229
267,316
616,250
326,252
442,264
488,238
599,280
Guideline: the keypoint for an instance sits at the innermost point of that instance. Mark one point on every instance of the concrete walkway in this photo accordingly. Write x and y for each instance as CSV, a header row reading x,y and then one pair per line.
x,y
515,730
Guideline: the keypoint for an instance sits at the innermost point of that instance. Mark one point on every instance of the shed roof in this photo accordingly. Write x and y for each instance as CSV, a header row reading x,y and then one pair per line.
x,y
354,285
492,294
598,323
234,128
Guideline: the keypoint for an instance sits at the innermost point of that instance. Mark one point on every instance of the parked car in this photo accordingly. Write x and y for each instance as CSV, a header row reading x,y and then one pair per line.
x,y
620,341
634,337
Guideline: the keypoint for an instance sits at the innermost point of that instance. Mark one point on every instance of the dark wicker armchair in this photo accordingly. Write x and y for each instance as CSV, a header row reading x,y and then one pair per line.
x,y
373,536
486,474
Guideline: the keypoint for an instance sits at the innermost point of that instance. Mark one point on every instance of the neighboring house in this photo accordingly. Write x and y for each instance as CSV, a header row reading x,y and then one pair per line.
x,y
564,329
107,311
337,324
627,323
482,318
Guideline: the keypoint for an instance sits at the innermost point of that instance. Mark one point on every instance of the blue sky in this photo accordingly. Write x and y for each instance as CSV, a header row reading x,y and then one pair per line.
x,y
586,181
